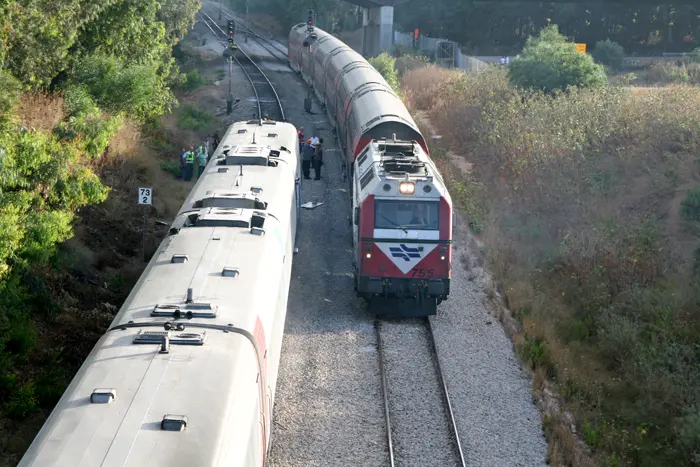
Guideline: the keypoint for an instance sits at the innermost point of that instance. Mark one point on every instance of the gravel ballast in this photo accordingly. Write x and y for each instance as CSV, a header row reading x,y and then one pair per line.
x,y
491,396
328,409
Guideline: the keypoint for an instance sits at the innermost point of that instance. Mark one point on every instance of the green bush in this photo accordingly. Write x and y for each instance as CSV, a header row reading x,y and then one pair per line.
x,y
86,126
9,92
23,401
406,63
171,167
385,64
193,118
690,206
665,72
609,53
192,81
136,90
549,63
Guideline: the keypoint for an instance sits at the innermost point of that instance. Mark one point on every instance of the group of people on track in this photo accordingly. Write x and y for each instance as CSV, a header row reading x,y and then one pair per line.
x,y
311,151
199,155
311,155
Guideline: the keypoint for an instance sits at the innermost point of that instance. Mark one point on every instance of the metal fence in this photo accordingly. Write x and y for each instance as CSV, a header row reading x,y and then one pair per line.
x,y
445,52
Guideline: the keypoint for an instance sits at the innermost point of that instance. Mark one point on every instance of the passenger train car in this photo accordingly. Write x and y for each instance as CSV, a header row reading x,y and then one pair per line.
x,y
356,97
186,373
391,176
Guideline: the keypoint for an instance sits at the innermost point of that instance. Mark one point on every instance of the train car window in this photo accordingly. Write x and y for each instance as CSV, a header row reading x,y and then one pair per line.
x,y
410,215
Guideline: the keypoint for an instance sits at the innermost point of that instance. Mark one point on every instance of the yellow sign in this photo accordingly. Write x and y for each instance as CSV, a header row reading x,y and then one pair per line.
x,y
581,48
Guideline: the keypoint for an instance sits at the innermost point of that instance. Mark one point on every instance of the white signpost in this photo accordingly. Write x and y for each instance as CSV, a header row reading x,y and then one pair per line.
x,y
145,200
146,196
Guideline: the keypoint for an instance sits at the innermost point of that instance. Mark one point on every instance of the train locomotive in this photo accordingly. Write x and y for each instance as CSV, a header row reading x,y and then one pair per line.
x,y
186,373
391,176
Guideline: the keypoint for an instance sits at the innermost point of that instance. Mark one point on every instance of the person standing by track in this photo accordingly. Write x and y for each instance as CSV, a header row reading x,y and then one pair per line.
x,y
182,164
317,160
189,164
202,157
307,155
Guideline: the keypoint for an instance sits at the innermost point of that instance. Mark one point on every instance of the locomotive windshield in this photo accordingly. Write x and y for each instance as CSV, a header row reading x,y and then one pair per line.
x,y
412,215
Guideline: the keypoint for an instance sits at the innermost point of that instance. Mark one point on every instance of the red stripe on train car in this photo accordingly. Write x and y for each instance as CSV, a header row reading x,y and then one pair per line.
x,y
259,336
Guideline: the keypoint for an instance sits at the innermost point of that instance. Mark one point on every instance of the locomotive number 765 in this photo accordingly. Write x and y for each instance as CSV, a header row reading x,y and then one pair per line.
x,y
421,272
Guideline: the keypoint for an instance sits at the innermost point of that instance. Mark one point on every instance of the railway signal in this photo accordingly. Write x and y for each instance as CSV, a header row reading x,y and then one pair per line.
x,y
310,21
231,29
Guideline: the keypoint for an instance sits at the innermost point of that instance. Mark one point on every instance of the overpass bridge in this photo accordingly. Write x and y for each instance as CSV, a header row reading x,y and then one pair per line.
x,y
378,18
378,25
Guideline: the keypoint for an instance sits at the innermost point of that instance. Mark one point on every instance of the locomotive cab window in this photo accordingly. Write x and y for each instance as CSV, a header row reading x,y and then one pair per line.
x,y
411,215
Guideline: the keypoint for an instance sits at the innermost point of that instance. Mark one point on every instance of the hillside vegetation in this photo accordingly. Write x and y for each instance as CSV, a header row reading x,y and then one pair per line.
x,y
587,202
81,83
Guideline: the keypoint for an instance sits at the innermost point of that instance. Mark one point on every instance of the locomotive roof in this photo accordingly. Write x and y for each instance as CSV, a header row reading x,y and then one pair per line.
x,y
400,159
384,164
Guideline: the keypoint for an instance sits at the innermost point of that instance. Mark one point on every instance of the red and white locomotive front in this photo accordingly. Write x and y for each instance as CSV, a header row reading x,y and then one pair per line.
x,y
402,227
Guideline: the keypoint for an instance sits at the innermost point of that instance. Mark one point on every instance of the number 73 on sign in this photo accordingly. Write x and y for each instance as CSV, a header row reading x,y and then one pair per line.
x,y
146,196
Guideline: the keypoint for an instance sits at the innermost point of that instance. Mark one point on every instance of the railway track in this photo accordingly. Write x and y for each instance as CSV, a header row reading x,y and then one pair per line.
x,y
266,97
268,44
408,438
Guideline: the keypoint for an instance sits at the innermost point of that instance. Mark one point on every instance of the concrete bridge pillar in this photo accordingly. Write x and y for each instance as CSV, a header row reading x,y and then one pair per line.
x,y
378,34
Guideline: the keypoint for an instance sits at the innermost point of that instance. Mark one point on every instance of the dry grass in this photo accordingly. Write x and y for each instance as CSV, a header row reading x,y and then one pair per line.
x,y
680,72
40,111
264,22
577,199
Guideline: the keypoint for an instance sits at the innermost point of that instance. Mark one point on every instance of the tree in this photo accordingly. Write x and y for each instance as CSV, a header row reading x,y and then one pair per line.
x,y
549,63
385,64
609,53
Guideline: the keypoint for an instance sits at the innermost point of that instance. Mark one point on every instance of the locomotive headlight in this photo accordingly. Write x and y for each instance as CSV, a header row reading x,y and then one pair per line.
x,y
407,188
368,255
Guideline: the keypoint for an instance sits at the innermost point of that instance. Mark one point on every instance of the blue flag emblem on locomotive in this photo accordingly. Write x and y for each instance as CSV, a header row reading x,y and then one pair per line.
x,y
405,252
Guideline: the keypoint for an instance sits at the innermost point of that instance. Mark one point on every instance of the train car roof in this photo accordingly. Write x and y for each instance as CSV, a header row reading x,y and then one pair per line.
x,y
276,135
148,393
372,108
227,262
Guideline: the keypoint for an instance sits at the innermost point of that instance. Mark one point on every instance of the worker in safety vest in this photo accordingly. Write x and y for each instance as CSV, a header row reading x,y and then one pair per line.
x,y
201,159
189,164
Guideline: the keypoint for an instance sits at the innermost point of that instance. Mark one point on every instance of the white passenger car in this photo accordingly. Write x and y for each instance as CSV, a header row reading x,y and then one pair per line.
x,y
186,374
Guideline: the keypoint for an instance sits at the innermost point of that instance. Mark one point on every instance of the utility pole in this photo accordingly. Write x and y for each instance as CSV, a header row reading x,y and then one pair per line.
x,y
229,97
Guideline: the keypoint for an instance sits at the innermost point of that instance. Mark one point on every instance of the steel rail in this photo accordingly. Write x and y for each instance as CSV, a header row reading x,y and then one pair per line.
x,y
385,392
208,21
453,421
